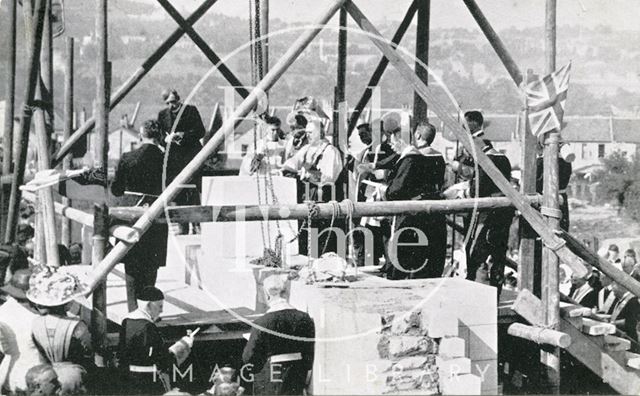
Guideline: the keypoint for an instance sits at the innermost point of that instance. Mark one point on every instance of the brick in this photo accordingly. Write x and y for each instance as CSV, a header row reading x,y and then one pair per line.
x,y
401,346
452,347
453,366
437,322
466,384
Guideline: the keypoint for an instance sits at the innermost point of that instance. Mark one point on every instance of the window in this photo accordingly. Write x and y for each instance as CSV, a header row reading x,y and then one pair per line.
x,y
601,151
244,148
584,151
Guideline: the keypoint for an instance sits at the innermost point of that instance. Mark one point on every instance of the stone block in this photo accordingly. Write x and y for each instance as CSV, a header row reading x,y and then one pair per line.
x,y
452,347
410,363
437,322
593,327
466,384
453,366
487,370
483,342
400,323
401,346
407,380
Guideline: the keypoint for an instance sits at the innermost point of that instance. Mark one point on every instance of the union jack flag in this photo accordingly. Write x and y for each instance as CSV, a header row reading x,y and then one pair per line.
x,y
546,99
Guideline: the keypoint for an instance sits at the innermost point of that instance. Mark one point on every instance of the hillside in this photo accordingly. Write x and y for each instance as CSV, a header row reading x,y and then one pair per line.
x,y
605,62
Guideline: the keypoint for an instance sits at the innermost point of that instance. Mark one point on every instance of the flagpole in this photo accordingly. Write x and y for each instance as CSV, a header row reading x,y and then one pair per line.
x,y
551,210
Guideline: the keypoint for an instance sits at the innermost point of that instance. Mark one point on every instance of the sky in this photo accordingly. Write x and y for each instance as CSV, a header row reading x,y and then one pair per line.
x,y
618,14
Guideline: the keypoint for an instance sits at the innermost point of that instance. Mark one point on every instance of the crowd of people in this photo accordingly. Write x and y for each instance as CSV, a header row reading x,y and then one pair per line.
x,y
609,301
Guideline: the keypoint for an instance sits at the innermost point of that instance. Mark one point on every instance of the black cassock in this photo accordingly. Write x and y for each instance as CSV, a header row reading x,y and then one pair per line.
x,y
141,348
286,376
140,171
490,231
180,154
418,175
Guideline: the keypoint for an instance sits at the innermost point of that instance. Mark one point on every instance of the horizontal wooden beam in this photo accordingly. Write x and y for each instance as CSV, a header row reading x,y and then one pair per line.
x,y
540,335
120,232
184,214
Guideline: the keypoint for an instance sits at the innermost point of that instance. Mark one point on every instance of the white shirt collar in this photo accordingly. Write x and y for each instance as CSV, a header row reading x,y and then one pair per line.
x,y
279,305
582,291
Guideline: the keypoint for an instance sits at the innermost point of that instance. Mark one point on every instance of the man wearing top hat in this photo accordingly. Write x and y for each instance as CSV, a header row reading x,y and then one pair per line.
x,y
145,360
21,352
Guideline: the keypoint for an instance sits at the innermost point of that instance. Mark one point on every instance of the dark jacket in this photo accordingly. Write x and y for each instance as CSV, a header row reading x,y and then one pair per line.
x,y
417,175
140,171
487,187
190,123
288,377
182,152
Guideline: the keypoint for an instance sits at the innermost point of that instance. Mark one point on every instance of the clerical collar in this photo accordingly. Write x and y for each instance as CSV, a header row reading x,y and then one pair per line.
x,y
279,305
140,314
478,133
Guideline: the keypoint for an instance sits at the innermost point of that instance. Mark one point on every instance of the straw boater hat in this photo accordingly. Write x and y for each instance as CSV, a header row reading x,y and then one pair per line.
x,y
52,287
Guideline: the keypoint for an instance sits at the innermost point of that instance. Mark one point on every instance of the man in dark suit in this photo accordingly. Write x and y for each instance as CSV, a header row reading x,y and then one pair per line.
x,y
140,171
490,230
183,127
417,175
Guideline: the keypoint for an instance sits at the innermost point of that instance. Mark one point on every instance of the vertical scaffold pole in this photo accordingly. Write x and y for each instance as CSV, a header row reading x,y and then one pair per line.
x,y
33,73
65,236
550,291
101,219
422,58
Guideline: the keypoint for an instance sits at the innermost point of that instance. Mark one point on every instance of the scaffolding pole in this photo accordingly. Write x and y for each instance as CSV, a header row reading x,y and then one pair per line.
x,y
422,58
550,293
33,73
65,234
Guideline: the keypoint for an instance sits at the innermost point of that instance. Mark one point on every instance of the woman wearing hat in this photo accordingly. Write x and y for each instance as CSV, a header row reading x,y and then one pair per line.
x,y
59,337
